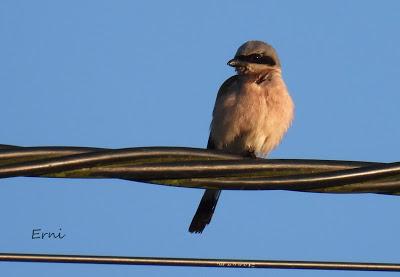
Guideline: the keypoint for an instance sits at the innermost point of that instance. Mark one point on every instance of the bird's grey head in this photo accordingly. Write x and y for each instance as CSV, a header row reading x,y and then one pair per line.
x,y
255,57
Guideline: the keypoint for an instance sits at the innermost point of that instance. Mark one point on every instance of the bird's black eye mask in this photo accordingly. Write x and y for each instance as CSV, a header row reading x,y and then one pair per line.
x,y
257,58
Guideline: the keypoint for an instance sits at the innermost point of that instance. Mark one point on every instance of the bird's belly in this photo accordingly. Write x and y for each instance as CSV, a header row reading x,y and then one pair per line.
x,y
260,135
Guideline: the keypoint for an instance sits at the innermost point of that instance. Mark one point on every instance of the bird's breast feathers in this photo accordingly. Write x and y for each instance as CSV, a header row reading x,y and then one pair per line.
x,y
251,117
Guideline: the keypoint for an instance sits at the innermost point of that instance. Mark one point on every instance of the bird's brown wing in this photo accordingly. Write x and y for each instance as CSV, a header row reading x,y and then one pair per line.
x,y
225,86
222,90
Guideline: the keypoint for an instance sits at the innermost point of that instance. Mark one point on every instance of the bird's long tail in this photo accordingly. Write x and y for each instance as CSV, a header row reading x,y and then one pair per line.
x,y
205,210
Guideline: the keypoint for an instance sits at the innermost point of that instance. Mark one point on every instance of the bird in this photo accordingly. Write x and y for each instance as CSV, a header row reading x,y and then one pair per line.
x,y
252,112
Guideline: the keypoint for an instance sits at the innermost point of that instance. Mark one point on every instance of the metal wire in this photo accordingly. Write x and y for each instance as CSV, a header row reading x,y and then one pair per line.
x,y
227,263
199,168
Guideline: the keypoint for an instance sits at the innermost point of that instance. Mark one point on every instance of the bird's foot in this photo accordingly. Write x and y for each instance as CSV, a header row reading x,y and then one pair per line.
x,y
251,154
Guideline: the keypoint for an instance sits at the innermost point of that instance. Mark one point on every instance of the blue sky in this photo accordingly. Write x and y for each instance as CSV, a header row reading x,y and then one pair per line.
x,y
125,74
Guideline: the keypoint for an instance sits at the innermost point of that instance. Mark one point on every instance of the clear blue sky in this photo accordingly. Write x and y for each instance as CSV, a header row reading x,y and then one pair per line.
x,y
122,74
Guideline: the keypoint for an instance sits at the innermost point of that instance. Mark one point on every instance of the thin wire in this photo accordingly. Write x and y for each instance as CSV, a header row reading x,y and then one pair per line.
x,y
226,263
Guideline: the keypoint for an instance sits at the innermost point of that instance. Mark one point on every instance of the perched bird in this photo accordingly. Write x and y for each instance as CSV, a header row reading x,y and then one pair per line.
x,y
252,112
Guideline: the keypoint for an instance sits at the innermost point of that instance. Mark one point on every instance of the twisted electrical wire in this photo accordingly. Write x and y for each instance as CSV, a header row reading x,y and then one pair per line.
x,y
199,168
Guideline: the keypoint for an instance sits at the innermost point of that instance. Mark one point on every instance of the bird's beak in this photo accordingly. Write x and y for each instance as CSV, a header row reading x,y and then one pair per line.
x,y
235,63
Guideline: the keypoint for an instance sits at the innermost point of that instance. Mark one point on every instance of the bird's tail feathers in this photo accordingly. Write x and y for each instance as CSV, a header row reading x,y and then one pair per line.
x,y
205,210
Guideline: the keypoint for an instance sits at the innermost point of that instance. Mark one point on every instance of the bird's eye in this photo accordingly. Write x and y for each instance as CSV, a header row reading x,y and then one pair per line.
x,y
254,58
257,58
266,60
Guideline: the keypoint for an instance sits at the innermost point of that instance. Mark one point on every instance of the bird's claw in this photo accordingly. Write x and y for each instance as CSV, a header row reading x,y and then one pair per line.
x,y
251,154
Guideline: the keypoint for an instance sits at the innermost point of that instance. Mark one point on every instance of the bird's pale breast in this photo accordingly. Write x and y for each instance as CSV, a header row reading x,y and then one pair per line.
x,y
252,117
